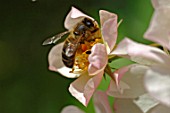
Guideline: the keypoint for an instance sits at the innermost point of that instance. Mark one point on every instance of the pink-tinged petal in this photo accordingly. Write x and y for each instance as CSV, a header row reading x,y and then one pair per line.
x,y
118,74
84,87
109,26
157,83
160,3
131,83
145,102
119,89
125,106
140,53
101,102
159,29
71,109
160,109
142,104
98,59
74,17
56,63
155,3
117,85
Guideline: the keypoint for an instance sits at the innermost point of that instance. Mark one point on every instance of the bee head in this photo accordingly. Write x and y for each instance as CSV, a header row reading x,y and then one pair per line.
x,y
86,25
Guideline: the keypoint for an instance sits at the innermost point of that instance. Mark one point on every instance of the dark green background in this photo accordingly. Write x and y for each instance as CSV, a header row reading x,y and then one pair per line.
x,y
26,85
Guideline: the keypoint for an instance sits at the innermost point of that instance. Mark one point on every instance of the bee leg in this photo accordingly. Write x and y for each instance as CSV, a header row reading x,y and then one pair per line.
x,y
72,70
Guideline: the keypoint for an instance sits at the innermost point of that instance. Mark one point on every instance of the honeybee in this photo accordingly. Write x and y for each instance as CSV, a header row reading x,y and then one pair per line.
x,y
77,46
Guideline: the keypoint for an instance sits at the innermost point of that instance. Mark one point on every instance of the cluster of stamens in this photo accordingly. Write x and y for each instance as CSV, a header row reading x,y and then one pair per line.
x,y
81,58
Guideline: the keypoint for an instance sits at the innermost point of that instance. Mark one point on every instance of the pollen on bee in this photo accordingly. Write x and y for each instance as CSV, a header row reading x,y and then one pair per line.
x,y
81,61
83,47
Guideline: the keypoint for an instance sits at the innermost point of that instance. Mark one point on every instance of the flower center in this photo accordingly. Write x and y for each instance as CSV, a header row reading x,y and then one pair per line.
x,y
83,51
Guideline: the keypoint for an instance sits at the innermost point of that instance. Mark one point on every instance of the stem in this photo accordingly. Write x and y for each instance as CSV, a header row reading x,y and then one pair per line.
x,y
108,71
113,57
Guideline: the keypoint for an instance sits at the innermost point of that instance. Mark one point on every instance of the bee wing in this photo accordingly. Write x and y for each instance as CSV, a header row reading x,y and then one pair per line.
x,y
55,38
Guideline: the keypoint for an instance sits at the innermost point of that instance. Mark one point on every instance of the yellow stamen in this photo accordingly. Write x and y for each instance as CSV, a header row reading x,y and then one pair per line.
x,y
166,51
155,45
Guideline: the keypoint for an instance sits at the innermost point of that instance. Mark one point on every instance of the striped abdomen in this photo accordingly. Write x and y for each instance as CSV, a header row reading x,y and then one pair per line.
x,y
69,51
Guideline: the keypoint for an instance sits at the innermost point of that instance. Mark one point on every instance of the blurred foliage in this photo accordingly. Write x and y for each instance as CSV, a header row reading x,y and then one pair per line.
x,y
26,85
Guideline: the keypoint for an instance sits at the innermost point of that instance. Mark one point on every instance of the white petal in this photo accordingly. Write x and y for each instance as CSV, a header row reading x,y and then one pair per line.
x,y
117,90
140,53
145,102
159,29
83,87
160,3
140,105
109,26
157,83
56,63
125,106
65,71
132,86
160,109
98,59
71,109
101,102
74,17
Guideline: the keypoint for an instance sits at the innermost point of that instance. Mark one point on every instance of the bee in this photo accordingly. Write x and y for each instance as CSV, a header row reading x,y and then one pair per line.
x,y
77,46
